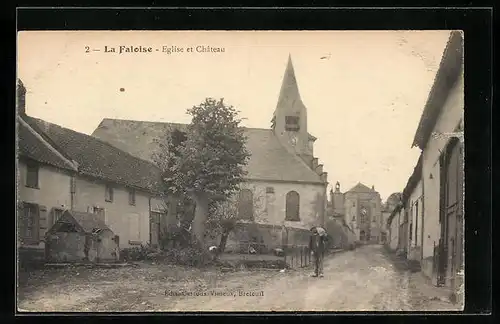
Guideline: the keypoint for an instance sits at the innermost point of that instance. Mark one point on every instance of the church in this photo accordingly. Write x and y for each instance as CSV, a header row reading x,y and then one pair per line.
x,y
360,208
285,189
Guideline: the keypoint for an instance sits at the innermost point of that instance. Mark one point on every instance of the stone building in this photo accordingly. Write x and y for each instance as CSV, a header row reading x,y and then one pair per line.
x,y
59,169
360,208
284,176
440,137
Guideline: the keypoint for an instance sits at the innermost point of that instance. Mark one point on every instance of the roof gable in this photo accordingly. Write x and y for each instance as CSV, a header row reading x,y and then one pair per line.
x,y
83,222
360,188
269,159
101,160
448,72
34,147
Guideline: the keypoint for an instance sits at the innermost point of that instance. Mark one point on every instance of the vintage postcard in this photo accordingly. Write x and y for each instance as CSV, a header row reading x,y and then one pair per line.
x,y
240,171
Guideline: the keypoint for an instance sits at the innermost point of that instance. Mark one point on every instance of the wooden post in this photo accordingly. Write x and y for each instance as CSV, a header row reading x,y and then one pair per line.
x,y
301,264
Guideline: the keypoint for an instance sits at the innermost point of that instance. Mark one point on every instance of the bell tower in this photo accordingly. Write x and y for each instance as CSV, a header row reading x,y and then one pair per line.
x,y
290,117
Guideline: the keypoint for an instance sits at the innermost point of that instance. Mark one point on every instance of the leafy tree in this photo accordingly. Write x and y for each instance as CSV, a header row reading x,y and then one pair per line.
x,y
209,163
223,214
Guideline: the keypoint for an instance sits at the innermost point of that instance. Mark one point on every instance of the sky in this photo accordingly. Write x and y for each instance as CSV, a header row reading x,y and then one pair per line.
x,y
364,90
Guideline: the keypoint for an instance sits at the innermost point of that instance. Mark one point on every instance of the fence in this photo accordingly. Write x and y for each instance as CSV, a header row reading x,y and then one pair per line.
x,y
297,256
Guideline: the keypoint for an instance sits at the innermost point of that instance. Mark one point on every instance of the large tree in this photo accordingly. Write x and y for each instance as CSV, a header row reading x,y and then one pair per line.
x,y
223,214
209,163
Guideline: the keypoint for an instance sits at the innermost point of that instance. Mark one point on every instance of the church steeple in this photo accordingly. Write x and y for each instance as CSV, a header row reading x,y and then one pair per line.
x,y
290,117
289,93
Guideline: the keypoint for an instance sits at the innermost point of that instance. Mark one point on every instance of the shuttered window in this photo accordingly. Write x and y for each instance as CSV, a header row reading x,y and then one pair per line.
x,y
30,223
32,175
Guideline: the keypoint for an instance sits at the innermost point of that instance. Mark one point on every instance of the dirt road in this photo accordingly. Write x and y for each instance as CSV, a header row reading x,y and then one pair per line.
x,y
360,280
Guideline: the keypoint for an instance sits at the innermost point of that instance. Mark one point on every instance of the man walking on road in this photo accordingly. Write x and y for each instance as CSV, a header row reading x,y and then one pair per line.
x,y
317,246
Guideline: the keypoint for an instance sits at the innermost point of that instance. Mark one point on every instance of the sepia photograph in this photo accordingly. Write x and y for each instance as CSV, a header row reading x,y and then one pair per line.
x,y
176,171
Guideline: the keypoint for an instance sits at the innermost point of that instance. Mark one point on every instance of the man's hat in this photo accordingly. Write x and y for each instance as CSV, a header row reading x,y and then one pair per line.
x,y
319,230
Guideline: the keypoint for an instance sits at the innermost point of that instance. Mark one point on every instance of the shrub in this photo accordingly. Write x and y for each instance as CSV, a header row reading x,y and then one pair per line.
x,y
137,253
193,256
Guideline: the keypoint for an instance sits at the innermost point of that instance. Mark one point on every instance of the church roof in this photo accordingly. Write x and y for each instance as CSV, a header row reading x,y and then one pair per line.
x,y
269,159
360,188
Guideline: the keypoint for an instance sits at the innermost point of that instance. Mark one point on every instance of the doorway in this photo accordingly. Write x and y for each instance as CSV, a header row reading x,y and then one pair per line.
x,y
451,212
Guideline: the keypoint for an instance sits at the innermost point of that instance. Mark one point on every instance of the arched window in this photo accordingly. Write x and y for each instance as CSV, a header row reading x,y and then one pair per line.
x,y
292,206
245,204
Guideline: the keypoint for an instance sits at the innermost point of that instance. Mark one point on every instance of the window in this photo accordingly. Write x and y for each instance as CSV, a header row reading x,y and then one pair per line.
x,y
411,232
32,175
269,190
245,204
292,206
109,193
292,123
131,197
30,223
363,216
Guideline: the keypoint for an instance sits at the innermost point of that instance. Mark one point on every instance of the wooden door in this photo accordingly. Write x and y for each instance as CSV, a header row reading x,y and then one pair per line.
x,y
454,209
451,211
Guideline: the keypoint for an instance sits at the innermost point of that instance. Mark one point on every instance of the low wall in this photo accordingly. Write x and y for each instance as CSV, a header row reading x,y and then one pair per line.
x,y
266,237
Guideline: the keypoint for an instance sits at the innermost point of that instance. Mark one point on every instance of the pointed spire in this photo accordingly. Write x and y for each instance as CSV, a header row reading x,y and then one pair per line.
x,y
289,93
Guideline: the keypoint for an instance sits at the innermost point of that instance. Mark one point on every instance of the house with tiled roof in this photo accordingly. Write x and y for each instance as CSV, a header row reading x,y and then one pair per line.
x,y
282,169
60,169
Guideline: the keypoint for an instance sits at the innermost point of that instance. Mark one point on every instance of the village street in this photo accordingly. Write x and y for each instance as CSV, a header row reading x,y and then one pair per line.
x,y
360,280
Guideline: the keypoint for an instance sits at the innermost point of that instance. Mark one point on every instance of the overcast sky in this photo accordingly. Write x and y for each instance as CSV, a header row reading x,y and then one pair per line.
x,y
364,91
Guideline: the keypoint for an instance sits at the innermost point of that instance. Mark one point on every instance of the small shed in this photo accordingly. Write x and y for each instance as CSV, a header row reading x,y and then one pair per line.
x,y
79,237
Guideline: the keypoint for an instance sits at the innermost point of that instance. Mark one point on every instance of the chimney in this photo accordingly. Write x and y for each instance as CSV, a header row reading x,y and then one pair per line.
x,y
21,98
373,187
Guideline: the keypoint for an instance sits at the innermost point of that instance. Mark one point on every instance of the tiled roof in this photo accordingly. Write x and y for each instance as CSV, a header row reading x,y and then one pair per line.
x,y
33,147
87,221
269,159
450,67
360,188
99,159
413,180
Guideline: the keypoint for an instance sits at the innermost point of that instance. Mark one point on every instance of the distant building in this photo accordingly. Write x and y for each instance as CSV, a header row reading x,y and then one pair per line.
x,y
360,208
283,174
394,222
412,201
391,203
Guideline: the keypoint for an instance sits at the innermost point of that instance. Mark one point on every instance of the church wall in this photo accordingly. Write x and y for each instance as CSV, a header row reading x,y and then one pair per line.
x,y
270,208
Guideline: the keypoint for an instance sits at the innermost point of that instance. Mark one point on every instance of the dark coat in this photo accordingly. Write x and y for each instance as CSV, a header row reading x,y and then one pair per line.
x,y
317,243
